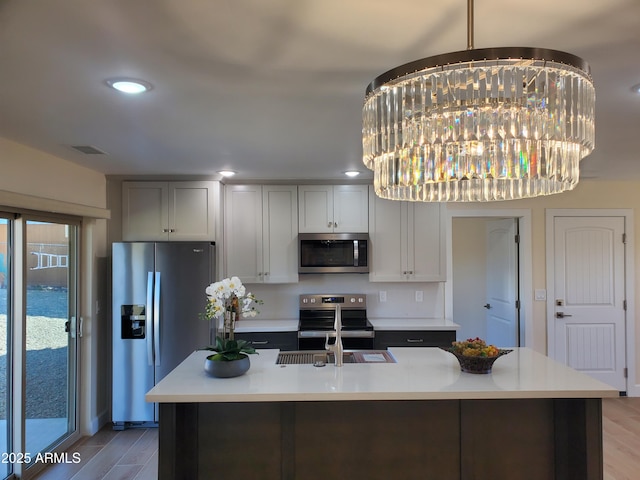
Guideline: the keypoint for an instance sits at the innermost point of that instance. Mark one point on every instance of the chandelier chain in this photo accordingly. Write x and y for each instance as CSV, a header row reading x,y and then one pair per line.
x,y
469,24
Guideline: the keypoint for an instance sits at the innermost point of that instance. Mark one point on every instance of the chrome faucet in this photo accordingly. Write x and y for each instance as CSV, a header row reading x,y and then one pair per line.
x,y
336,348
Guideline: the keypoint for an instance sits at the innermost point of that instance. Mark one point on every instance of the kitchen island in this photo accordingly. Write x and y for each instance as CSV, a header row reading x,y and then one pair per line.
x,y
531,418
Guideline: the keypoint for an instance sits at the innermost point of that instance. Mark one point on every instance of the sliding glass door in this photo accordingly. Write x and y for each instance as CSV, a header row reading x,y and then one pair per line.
x,y
38,339
50,334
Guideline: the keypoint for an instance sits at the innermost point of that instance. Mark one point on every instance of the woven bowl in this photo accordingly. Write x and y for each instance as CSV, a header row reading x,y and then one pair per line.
x,y
475,364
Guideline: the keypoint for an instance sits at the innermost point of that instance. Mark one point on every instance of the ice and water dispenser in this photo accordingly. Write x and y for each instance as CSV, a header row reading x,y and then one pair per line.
x,y
133,319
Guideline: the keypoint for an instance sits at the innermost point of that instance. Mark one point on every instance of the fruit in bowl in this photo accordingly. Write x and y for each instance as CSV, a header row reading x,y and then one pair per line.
x,y
474,355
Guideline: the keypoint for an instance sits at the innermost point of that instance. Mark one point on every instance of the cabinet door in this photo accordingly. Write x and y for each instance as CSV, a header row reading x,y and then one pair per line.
x,y
280,233
351,208
387,220
191,211
426,246
315,208
145,211
279,340
243,232
411,338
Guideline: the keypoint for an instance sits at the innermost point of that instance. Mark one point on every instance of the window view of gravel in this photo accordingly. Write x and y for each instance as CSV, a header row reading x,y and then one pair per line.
x,y
46,353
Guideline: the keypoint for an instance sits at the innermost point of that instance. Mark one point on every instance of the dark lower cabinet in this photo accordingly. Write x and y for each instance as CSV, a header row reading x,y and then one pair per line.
x,y
411,338
279,340
515,439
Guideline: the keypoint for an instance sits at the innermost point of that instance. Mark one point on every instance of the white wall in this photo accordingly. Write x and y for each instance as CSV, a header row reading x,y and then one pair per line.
x,y
32,172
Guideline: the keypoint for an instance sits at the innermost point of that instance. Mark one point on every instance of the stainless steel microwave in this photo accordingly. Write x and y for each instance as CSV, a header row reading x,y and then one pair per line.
x,y
333,253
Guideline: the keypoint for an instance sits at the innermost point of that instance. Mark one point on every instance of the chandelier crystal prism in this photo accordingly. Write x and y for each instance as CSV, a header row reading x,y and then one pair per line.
x,y
479,125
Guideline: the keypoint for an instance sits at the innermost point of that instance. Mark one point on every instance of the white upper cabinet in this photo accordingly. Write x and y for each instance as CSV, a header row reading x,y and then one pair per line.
x,y
260,231
333,208
407,241
176,211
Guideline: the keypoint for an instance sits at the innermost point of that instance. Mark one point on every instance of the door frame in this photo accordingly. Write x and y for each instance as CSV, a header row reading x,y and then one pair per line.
x,y
18,338
525,271
633,389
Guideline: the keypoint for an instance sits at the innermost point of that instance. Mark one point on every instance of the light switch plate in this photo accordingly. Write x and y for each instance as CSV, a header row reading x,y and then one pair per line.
x,y
540,295
382,296
419,296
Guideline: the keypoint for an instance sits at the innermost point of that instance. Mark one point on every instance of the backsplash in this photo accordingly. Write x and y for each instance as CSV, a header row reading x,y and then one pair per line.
x,y
281,301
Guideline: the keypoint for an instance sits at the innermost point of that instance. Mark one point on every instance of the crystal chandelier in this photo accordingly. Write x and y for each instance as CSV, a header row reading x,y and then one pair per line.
x,y
479,124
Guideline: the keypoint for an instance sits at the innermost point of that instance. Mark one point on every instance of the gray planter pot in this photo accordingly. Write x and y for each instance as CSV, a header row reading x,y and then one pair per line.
x,y
221,369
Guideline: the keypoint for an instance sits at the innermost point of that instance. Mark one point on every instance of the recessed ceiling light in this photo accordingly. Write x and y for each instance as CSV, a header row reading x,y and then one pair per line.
x,y
636,88
227,173
352,173
131,86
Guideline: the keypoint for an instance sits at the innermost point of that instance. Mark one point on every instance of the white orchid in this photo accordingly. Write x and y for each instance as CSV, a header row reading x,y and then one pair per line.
x,y
225,295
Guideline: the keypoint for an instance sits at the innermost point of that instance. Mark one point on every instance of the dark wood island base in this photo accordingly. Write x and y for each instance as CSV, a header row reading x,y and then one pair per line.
x,y
533,439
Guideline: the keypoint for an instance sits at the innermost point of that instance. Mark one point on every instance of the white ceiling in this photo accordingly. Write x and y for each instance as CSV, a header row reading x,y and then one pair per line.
x,y
274,88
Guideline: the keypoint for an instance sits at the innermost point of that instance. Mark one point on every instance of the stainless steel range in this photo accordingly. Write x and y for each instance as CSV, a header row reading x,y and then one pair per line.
x,y
317,316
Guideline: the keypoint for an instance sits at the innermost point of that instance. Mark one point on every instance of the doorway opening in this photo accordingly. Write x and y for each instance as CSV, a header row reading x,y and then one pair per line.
x,y
489,285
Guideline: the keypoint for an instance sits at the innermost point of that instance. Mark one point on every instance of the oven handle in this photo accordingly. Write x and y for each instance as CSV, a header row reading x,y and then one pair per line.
x,y
332,334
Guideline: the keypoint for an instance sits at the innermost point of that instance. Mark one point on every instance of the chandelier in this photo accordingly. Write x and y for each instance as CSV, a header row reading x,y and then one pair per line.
x,y
479,124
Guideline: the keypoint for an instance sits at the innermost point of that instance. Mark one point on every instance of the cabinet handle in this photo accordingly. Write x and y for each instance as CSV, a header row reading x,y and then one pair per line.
x,y
329,224
165,230
259,342
171,230
415,340
335,224
266,273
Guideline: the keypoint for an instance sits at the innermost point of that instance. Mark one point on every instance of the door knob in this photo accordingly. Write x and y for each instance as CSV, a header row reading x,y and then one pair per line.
x,y
487,306
562,315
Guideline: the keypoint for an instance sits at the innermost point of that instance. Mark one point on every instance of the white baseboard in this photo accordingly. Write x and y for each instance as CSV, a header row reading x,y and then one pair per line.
x,y
633,391
97,423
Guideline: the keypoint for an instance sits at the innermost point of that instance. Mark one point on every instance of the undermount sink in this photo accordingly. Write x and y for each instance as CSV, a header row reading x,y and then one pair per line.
x,y
321,358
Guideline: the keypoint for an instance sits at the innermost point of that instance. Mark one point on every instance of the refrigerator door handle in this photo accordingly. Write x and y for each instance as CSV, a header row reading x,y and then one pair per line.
x,y
156,320
148,310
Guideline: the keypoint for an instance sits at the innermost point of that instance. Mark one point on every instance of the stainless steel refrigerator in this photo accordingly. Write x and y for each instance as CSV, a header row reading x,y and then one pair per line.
x,y
158,293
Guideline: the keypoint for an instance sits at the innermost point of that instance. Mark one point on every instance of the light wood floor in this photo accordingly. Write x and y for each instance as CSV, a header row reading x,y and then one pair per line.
x,y
621,435
110,455
133,454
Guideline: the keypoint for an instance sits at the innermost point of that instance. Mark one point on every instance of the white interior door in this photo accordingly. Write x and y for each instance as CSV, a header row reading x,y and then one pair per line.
x,y
501,287
588,324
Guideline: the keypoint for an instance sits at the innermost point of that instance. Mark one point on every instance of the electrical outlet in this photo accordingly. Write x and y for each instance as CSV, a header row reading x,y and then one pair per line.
x,y
419,295
383,296
540,295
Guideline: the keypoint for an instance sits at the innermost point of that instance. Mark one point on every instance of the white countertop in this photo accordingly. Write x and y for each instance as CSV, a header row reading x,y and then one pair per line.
x,y
379,324
419,374
260,326
407,324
